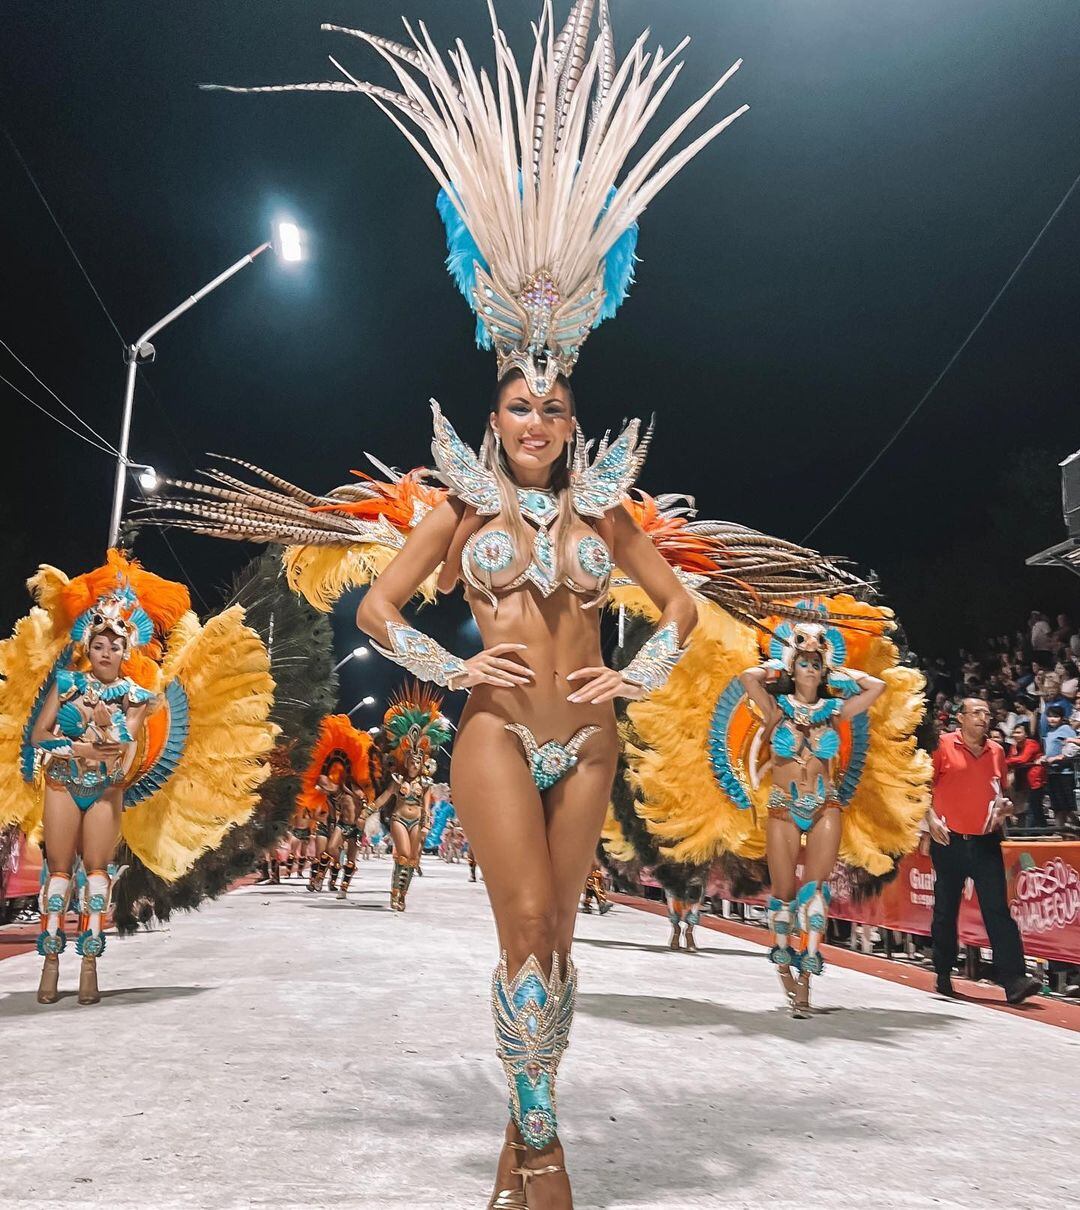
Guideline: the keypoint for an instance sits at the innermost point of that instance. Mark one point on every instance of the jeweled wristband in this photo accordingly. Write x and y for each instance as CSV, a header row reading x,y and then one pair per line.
x,y
421,655
654,663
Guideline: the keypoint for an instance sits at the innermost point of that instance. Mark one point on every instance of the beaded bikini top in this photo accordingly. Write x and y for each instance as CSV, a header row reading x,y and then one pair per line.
x,y
805,730
596,487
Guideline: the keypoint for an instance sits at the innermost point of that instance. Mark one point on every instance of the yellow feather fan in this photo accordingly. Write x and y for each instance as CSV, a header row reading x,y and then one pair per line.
x,y
323,573
25,662
225,671
683,805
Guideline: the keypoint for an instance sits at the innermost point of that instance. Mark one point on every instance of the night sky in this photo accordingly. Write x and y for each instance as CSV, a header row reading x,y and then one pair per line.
x,y
801,284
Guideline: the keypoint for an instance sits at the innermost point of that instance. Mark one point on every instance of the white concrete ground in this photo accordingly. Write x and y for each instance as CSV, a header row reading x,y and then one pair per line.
x,y
280,1049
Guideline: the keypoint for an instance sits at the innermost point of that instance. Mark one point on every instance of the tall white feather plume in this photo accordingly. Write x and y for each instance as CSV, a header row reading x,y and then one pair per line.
x,y
538,167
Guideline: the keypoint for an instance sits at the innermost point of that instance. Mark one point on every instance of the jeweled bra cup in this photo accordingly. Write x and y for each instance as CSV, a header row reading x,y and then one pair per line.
x,y
490,552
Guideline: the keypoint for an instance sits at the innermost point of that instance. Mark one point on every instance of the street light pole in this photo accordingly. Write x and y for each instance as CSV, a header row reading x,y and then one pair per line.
x,y
364,701
357,653
141,350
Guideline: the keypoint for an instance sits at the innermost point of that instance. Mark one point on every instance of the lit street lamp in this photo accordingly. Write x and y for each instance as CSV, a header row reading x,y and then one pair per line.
x,y
289,248
364,701
357,653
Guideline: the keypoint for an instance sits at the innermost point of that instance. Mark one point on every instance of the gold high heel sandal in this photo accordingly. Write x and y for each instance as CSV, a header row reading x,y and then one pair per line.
x,y
688,940
675,936
50,977
510,1199
527,1174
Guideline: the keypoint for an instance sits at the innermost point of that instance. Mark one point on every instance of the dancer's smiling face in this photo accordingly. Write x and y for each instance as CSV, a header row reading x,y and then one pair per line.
x,y
534,432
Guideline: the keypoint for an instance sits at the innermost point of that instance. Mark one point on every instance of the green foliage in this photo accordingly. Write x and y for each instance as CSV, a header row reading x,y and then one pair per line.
x,y
300,643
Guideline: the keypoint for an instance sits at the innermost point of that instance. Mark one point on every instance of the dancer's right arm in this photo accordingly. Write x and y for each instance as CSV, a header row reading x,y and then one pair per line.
x,y
380,614
753,681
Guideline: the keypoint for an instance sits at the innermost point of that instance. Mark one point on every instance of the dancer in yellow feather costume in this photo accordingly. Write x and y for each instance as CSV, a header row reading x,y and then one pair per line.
x,y
103,733
700,757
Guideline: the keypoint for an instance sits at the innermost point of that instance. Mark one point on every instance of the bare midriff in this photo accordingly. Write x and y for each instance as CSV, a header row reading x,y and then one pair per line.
x,y
560,637
804,774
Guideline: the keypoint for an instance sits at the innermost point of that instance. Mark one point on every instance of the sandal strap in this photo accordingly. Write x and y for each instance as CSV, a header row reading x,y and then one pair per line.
x,y
526,1173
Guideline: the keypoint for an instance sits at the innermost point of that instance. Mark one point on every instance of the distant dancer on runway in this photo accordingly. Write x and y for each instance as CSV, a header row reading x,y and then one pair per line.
x,y
684,916
596,891
803,691
415,731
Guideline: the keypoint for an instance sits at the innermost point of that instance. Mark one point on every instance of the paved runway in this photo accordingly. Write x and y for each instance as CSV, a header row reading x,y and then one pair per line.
x,y
282,1049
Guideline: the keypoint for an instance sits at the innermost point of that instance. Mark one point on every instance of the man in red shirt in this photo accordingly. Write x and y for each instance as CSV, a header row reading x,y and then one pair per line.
x,y
965,821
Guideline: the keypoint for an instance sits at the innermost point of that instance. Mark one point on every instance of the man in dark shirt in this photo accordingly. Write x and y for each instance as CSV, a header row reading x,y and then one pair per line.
x,y
965,831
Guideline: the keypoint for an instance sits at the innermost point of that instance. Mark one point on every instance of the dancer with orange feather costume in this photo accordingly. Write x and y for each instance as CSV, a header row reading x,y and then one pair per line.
x,y
103,733
416,731
337,791
793,740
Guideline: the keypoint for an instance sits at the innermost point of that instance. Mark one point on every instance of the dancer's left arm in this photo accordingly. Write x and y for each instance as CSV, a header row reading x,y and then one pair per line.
x,y
636,555
870,689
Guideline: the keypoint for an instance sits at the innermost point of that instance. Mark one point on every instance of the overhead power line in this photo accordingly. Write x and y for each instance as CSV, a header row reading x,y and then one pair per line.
x,y
103,441
56,223
948,366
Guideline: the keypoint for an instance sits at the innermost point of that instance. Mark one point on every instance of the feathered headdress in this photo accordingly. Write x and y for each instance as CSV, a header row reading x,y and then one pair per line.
x,y
414,724
119,598
541,230
341,753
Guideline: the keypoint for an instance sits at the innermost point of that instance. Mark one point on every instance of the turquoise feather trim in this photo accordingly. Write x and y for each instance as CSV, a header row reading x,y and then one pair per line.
x,y
26,755
463,255
860,744
159,773
618,270
719,752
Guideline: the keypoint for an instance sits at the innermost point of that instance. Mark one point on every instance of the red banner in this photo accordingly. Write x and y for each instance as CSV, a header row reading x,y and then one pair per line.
x,y
1043,879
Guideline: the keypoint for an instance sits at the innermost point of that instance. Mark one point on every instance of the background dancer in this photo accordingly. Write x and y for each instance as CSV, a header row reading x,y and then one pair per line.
x,y
415,731
85,709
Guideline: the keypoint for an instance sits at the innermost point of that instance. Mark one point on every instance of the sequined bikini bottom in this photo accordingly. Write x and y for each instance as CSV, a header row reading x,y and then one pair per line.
x,y
550,762
407,824
85,784
803,810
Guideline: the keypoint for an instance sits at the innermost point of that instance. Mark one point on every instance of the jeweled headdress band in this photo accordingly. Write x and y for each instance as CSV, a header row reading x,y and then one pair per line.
x,y
117,614
541,230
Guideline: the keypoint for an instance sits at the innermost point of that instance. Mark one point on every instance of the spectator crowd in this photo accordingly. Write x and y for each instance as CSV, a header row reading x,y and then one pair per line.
x,y
1030,682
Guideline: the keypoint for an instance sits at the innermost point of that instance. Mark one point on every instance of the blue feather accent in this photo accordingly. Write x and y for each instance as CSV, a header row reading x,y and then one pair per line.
x,y
618,269
860,744
27,754
157,776
719,752
463,255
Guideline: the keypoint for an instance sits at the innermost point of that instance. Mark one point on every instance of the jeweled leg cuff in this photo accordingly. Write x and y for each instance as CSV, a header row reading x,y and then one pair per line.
x,y
532,1012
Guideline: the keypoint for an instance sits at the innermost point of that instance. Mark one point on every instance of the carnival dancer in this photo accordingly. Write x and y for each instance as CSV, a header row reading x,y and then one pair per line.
x,y
300,834
542,233
415,731
91,708
803,691
596,890
333,786
684,914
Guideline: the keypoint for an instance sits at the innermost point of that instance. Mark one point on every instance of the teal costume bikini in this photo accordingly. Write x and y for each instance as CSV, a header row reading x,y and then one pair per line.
x,y
86,781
